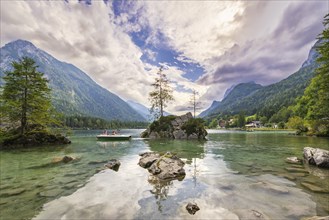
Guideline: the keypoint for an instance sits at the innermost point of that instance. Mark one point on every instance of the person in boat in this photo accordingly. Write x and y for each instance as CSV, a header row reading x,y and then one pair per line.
x,y
113,132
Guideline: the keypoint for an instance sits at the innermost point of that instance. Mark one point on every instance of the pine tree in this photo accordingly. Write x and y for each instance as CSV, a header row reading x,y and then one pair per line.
x,y
314,104
26,97
161,95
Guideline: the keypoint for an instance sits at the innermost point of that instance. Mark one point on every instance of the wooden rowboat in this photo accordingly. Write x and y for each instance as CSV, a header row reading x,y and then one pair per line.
x,y
113,137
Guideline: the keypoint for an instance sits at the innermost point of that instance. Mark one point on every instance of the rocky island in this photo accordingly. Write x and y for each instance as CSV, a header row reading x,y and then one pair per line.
x,y
176,127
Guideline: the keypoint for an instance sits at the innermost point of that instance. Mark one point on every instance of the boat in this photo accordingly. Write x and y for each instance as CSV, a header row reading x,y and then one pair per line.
x,y
113,137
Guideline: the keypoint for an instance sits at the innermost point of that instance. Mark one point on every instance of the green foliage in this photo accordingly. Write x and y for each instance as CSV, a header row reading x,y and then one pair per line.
x,y
213,123
161,95
314,104
194,125
163,124
282,116
86,122
297,123
241,122
26,97
263,120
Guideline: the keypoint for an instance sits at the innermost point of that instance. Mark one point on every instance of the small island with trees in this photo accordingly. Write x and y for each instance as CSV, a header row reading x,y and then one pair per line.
x,y
173,127
27,115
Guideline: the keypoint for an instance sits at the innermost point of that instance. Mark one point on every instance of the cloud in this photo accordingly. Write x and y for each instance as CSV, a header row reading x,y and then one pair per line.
x,y
81,34
271,56
233,41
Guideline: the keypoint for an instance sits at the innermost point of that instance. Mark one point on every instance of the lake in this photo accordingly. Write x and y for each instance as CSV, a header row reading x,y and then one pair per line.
x,y
232,175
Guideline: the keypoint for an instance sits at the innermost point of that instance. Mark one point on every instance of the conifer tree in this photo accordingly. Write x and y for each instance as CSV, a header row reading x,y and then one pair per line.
x,y
26,96
161,95
314,104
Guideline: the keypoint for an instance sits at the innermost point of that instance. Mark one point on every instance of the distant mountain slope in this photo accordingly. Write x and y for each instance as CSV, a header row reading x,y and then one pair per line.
x,y
271,98
73,91
141,109
208,111
236,94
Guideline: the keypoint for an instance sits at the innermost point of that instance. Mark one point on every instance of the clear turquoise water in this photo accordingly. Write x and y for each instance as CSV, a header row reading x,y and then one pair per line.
x,y
228,176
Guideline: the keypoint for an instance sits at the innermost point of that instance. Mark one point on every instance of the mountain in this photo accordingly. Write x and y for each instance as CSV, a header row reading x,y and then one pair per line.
x,y
73,91
229,90
269,99
236,94
213,107
141,109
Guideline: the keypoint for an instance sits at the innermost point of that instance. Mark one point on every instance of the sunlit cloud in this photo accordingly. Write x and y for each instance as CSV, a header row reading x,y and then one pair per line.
x,y
205,46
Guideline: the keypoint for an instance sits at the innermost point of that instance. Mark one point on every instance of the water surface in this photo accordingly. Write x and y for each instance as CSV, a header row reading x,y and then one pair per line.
x,y
232,175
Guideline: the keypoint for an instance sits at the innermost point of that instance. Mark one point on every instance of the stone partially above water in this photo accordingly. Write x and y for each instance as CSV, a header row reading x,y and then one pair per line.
x,y
165,167
293,160
113,164
192,208
317,156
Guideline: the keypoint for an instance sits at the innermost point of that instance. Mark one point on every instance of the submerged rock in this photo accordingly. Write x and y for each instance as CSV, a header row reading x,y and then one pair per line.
x,y
192,208
50,193
296,170
316,218
247,214
12,192
271,187
165,167
317,156
314,188
113,164
64,159
293,160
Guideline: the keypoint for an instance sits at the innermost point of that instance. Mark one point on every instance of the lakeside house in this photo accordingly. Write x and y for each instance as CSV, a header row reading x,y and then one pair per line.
x,y
254,124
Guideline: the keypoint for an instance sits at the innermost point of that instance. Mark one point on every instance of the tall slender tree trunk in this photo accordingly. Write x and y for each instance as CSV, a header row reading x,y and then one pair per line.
x,y
24,110
161,100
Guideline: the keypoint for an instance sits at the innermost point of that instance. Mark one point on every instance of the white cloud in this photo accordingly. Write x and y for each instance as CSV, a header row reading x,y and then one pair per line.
x,y
234,41
82,35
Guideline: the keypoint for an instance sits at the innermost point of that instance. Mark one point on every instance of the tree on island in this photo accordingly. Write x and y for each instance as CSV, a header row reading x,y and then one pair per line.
x,y
194,102
161,95
26,100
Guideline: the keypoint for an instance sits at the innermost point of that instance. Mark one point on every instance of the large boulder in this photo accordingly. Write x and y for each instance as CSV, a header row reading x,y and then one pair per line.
x,y
165,167
317,156
147,159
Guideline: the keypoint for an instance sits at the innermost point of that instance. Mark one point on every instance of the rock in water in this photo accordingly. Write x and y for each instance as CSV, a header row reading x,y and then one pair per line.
x,y
147,159
317,156
316,218
113,164
165,167
64,159
67,159
192,208
293,160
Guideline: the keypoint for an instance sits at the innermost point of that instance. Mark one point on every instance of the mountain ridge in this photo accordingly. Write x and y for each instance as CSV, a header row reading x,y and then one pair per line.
x,y
271,98
73,91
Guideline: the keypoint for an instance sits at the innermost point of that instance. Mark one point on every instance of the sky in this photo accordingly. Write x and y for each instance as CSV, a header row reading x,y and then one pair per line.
x,y
206,46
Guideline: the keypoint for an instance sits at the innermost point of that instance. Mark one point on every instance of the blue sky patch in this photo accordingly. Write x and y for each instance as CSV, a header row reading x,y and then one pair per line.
x,y
157,52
